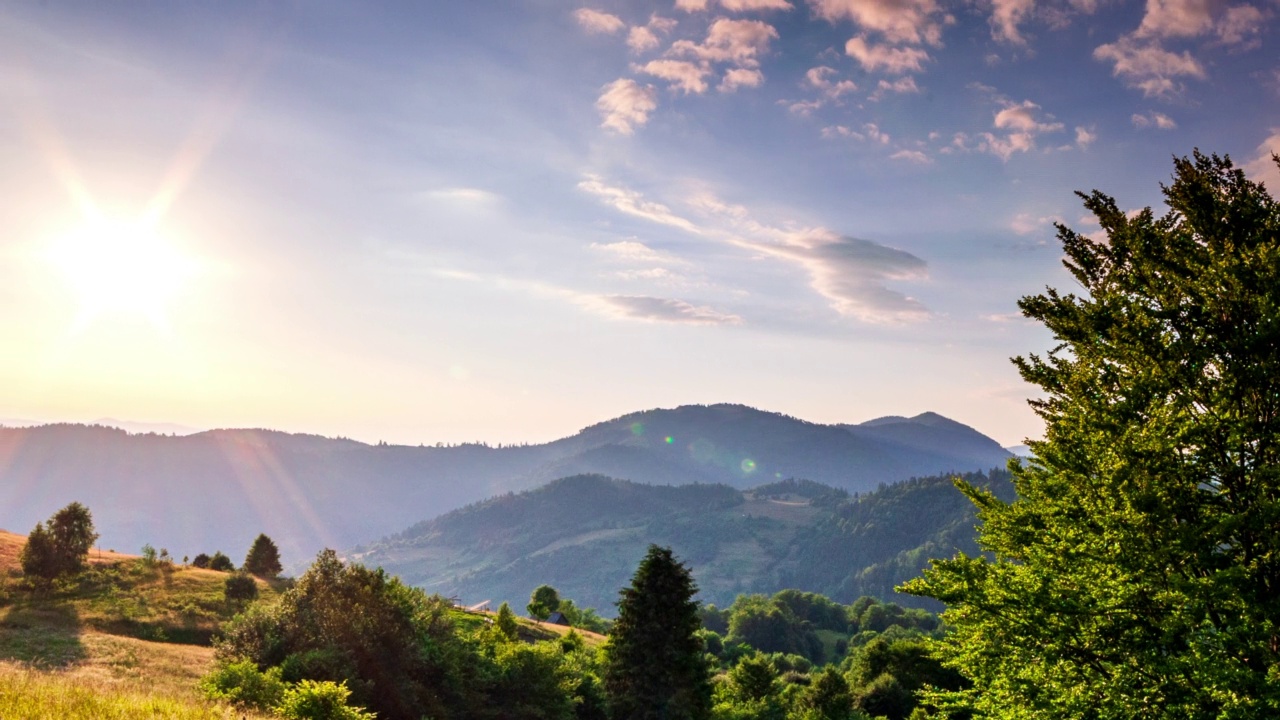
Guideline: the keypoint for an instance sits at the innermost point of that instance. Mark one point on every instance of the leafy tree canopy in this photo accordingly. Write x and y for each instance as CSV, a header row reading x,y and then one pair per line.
x,y
544,601
61,544
1137,573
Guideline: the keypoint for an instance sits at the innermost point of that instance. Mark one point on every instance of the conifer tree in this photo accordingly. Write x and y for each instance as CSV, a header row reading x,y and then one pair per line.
x,y
655,668
506,622
39,556
263,559
1137,574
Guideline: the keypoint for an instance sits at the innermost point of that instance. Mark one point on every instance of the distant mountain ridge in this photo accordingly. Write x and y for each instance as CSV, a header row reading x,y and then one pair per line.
x,y
584,534
218,489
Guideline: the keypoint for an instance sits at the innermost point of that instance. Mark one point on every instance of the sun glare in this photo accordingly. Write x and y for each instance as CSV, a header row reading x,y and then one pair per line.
x,y
121,268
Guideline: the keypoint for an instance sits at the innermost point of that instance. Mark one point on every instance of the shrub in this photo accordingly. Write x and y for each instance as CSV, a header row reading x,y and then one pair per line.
x,y
240,587
319,700
221,563
241,683
200,561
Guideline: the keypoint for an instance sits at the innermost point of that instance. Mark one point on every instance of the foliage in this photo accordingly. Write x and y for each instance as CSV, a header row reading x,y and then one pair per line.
x,y
221,562
393,646
200,561
61,544
655,668
240,587
1136,574
506,622
886,674
768,624
241,683
323,700
544,601
827,697
754,678
530,681
263,558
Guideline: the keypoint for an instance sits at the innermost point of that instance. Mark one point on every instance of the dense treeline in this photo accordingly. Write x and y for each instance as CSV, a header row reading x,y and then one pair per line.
x,y
395,651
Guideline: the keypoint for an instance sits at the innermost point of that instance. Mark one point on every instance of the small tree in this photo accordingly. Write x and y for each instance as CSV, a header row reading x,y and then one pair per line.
x,y
73,536
39,556
506,622
221,562
263,559
544,601
200,561
654,669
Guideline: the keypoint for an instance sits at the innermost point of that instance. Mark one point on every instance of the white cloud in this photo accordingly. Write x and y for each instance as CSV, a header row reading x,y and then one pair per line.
x,y
595,21
1022,118
624,105
899,21
900,86
733,5
633,251
804,108
740,42
1084,137
914,156
1157,120
1241,25
654,309
1006,16
820,78
1020,124
1150,67
1175,18
741,77
682,75
633,203
893,60
641,39
1262,168
1026,223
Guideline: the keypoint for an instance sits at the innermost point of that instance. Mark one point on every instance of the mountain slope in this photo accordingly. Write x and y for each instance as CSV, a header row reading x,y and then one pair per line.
x,y
585,534
219,489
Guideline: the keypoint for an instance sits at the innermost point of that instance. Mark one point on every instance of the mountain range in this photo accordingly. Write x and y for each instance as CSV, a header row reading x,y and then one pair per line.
x,y
216,490
584,535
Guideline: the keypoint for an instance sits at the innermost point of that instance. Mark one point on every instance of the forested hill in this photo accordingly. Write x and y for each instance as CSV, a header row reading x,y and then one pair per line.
x,y
219,489
584,535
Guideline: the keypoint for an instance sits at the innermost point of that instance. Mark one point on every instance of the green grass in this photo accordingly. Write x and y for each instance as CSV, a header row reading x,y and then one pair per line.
x,y
35,695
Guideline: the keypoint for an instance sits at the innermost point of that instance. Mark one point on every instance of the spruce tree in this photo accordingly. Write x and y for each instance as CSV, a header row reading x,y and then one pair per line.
x,y
263,559
39,556
655,668
1137,573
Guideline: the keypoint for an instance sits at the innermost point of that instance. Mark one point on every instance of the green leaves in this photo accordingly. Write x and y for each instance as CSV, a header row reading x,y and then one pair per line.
x,y
1137,575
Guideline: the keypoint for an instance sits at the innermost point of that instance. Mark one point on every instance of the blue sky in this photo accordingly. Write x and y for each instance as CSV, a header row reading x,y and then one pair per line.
x,y
504,221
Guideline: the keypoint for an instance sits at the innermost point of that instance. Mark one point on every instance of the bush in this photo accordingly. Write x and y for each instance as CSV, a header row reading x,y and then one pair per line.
x,y
221,563
240,587
323,700
241,683
200,561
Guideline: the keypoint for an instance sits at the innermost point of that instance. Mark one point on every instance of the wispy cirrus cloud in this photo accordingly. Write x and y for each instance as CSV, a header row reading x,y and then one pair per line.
x,y
625,105
1153,119
899,21
851,274
657,309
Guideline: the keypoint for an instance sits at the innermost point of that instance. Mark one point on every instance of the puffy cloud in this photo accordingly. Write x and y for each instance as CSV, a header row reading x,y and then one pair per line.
x,y
682,75
1175,18
1262,167
914,156
624,105
820,78
870,132
740,42
893,60
900,86
594,21
641,39
1149,67
1240,25
1021,123
741,77
1022,118
733,5
899,21
633,203
1157,120
1084,137
655,309
804,108
1006,16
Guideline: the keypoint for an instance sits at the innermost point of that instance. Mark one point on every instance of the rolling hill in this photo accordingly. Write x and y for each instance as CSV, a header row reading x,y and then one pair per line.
x,y
218,489
585,534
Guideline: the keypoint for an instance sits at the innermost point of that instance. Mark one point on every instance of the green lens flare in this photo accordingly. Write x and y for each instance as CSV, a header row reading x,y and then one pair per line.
x,y
669,440
748,466
637,428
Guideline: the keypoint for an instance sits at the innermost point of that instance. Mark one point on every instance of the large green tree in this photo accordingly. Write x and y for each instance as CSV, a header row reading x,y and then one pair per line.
x,y
60,546
655,668
1137,572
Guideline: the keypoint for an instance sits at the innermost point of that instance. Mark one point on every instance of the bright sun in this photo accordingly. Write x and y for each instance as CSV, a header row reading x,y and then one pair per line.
x,y
121,268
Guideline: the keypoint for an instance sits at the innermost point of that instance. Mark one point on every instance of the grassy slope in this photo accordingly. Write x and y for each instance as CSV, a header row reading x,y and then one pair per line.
x,y
124,642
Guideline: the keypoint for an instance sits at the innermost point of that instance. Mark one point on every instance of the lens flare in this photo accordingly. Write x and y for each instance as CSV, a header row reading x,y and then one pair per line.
x,y
748,466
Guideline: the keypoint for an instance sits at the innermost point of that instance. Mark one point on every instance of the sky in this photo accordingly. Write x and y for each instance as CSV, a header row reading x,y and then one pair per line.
x,y
504,221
